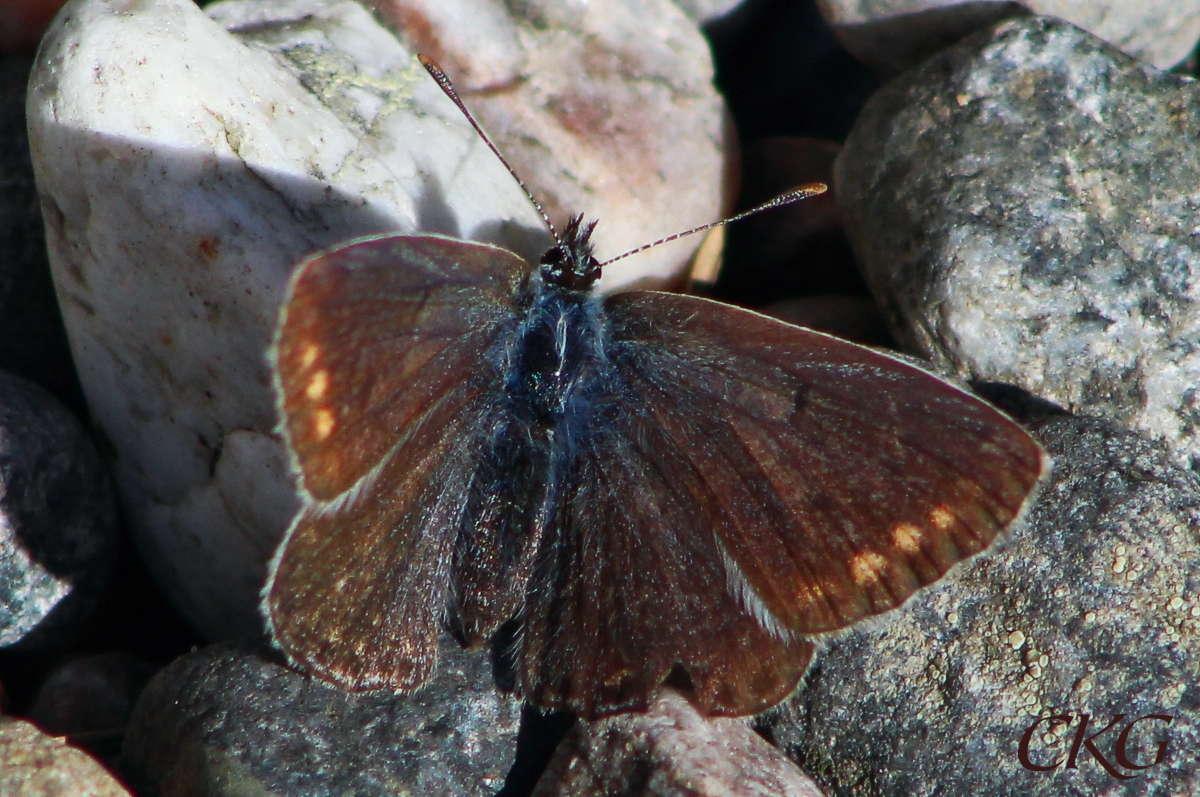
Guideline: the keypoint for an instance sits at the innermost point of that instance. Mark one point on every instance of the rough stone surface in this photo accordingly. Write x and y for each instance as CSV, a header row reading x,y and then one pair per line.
x,y
33,764
1093,606
58,525
225,720
671,751
894,35
90,694
184,170
1025,207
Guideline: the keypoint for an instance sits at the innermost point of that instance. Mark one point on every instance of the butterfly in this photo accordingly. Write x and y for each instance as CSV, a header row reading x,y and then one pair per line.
x,y
653,487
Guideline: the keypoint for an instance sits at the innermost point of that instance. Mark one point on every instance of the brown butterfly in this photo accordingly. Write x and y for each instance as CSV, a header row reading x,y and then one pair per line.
x,y
650,485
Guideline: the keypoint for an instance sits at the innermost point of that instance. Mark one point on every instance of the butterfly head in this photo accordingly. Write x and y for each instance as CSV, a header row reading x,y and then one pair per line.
x,y
570,264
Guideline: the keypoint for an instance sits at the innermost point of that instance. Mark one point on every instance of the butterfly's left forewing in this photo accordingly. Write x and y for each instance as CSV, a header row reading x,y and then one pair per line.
x,y
748,471
388,363
851,477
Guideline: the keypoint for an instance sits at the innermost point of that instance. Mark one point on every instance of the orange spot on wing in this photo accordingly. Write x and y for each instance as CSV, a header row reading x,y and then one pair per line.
x,y
907,537
317,386
941,517
323,423
309,355
867,567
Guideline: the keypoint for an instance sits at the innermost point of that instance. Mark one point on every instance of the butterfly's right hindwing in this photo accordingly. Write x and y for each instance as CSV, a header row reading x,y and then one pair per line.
x,y
386,363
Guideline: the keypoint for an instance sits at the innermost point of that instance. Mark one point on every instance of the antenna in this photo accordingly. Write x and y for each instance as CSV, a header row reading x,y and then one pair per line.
x,y
786,198
443,80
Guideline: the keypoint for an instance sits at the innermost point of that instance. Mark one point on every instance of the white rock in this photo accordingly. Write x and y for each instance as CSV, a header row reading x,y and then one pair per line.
x,y
603,108
185,170
893,35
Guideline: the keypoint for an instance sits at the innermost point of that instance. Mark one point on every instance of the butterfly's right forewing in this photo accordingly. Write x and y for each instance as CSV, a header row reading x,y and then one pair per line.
x,y
388,362
376,332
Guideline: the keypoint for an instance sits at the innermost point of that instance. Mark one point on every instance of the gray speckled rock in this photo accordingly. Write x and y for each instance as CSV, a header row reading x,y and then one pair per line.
x,y
1092,607
670,751
184,169
224,720
894,35
1025,207
58,519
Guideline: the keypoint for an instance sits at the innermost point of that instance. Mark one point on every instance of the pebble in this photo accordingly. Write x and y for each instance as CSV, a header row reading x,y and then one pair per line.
x,y
58,520
671,751
35,764
90,694
231,708
1024,208
894,35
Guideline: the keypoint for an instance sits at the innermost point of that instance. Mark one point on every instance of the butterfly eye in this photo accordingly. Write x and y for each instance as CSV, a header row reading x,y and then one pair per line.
x,y
554,259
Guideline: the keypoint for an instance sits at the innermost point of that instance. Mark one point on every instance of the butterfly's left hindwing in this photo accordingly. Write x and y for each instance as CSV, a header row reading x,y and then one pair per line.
x,y
630,583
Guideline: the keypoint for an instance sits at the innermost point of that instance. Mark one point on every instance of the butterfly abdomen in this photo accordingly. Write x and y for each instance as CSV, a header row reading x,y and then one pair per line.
x,y
555,356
